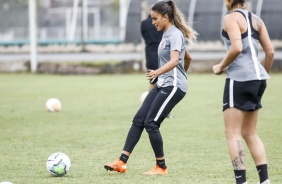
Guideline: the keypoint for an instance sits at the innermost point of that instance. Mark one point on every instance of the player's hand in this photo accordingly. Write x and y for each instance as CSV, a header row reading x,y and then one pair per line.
x,y
151,75
217,69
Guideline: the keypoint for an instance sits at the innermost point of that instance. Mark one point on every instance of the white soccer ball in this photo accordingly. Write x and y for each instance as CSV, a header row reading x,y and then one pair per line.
x,y
53,105
6,182
58,164
143,96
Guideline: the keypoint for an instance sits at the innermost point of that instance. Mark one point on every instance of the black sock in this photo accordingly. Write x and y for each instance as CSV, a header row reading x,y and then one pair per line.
x,y
240,176
123,157
161,163
262,172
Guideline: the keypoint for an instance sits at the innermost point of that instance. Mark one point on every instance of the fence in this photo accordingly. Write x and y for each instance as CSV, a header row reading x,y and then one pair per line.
x,y
115,21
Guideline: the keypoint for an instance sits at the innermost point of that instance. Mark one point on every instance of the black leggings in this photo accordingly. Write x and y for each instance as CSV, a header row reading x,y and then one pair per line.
x,y
157,105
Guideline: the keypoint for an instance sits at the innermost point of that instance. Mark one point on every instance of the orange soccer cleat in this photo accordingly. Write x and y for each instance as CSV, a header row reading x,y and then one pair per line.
x,y
117,165
156,171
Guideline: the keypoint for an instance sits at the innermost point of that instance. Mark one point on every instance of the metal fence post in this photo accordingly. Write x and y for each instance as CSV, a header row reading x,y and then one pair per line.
x,y
33,34
144,14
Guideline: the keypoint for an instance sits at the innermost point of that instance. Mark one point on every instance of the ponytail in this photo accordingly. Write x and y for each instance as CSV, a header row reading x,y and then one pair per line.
x,y
177,18
235,2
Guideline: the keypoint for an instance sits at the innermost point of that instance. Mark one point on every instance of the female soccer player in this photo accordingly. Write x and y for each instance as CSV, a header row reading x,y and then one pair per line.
x,y
245,85
174,61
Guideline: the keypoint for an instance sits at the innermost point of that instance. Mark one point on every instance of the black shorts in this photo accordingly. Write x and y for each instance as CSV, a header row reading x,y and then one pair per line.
x,y
243,95
154,82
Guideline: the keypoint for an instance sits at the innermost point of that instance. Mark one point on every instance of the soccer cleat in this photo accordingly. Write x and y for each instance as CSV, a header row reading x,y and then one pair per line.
x,y
117,165
156,171
265,182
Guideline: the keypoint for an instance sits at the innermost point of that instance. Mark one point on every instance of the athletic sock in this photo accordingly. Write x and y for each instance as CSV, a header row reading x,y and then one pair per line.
x,y
161,163
240,176
262,172
124,158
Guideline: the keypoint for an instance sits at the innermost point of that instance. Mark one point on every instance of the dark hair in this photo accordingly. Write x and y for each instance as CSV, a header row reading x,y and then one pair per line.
x,y
176,17
235,2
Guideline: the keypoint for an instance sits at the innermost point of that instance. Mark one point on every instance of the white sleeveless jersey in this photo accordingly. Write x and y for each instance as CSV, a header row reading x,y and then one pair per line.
x,y
246,66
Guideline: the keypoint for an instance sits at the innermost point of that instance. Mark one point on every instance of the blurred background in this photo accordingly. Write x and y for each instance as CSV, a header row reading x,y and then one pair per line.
x,y
35,34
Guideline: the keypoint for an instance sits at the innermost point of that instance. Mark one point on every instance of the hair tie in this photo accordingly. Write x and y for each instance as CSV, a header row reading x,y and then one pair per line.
x,y
169,3
166,8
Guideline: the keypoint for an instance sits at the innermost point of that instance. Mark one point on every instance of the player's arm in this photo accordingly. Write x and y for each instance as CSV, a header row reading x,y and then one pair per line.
x,y
174,59
233,30
267,47
187,60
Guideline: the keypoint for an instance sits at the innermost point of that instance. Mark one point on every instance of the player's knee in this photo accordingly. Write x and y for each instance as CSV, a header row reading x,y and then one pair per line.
x,y
151,127
248,134
137,122
232,134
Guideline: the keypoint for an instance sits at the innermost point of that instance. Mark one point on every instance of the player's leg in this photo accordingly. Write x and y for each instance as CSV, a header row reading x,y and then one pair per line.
x,y
134,134
166,99
233,101
252,139
233,122
250,135
255,144
137,127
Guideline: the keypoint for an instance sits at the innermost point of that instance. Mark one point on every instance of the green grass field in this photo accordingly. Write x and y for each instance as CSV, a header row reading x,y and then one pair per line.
x,y
96,115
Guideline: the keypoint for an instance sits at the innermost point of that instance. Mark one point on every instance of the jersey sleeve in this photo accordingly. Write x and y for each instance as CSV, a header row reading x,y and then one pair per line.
x,y
176,42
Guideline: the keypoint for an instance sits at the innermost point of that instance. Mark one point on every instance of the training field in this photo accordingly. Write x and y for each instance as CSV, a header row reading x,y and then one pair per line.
x,y
96,116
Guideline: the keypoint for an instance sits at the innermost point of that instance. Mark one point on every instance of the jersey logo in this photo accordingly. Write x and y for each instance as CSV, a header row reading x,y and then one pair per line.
x,y
163,44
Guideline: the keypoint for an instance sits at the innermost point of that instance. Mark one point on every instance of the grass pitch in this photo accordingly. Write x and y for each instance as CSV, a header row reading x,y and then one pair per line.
x,y
96,115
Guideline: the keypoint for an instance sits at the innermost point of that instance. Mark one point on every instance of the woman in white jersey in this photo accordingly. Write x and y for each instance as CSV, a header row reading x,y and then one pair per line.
x,y
174,61
245,85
